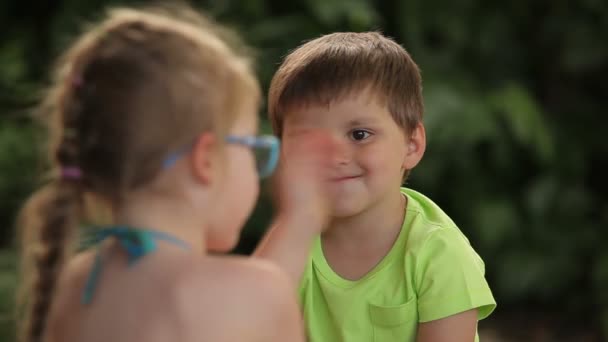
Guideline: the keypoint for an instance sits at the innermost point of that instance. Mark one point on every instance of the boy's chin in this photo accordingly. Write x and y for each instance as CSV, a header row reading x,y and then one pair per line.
x,y
346,209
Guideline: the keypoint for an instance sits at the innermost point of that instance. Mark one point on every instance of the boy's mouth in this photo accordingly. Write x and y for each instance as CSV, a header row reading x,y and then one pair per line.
x,y
344,178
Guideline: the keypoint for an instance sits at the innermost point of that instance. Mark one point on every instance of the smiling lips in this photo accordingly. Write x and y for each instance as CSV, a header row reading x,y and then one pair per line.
x,y
344,178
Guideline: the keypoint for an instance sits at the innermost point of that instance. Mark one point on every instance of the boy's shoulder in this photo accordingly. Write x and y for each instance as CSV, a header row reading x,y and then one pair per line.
x,y
425,209
428,224
444,264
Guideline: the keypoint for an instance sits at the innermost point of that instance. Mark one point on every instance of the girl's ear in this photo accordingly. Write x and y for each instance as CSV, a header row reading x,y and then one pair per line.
x,y
204,158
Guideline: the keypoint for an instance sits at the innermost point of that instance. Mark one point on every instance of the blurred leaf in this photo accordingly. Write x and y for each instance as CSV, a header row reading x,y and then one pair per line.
x,y
525,119
457,115
359,14
541,195
18,155
8,282
499,223
12,66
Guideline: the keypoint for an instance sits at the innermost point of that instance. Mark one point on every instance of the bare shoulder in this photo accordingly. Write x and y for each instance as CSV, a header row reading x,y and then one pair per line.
x,y
245,296
263,275
72,277
241,280
67,296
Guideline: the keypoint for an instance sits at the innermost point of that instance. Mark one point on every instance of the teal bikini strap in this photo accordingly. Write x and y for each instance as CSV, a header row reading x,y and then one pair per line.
x,y
136,242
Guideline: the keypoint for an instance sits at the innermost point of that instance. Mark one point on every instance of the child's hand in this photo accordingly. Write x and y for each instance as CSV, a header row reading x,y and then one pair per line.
x,y
303,176
303,199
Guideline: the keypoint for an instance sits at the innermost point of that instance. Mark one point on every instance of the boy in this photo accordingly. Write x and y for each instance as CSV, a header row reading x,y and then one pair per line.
x,y
391,265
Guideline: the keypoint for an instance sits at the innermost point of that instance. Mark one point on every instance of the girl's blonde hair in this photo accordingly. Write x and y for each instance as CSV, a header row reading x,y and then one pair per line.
x,y
132,89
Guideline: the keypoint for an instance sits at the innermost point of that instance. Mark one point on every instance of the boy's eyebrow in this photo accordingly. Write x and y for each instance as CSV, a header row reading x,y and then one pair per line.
x,y
362,121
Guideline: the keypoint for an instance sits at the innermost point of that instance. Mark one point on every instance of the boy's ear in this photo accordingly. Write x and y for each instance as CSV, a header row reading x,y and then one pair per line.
x,y
416,145
204,158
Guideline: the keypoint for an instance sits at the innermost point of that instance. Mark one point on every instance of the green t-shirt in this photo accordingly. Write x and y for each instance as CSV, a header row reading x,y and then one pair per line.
x,y
431,272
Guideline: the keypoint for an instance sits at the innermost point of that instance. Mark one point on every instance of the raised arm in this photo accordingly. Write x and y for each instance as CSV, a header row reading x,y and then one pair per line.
x,y
302,197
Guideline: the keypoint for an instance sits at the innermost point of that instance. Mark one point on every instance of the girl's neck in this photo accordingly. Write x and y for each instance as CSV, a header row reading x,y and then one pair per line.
x,y
168,216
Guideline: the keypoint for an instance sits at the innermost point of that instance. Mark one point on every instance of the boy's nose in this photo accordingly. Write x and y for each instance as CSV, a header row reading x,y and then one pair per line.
x,y
343,153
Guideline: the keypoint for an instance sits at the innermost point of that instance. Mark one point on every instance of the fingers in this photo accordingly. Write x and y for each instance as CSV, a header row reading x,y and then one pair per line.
x,y
305,168
311,149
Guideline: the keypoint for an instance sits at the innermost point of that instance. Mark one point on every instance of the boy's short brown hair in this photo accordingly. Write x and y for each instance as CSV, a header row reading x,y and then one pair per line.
x,y
333,66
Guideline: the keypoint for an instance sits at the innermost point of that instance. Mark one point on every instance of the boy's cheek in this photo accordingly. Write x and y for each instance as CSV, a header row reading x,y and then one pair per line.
x,y
383,164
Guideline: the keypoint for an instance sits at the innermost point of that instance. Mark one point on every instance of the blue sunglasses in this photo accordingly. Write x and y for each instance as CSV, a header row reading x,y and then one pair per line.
x,y
265,147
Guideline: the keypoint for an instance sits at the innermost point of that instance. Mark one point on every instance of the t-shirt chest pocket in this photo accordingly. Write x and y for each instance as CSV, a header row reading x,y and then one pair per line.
x,y
394,323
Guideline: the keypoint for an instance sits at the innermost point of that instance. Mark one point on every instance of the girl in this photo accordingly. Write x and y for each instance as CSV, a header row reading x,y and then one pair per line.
x,y
153,117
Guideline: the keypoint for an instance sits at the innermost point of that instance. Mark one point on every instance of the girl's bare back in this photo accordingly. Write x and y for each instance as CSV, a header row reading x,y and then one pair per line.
x,y
167,295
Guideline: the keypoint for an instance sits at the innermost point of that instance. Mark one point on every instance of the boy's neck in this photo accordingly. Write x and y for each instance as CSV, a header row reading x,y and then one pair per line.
x,y
375,226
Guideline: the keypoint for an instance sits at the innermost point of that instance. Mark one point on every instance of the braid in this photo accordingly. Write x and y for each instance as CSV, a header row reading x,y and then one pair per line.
x,y
51,218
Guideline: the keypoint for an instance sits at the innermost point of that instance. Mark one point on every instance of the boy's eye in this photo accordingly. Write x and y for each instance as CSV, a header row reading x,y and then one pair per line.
x,y
359,134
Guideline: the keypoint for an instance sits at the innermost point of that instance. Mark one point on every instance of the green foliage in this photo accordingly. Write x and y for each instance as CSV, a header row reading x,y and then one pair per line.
x,y
18,147
8,281
514,93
